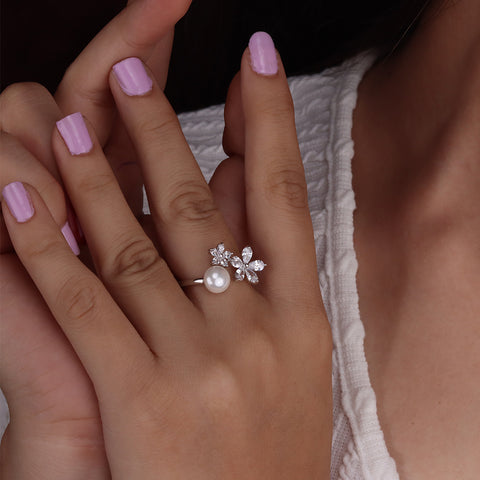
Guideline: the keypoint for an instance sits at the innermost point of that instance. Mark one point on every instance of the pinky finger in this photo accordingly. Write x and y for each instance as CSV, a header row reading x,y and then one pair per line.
x,y
95,326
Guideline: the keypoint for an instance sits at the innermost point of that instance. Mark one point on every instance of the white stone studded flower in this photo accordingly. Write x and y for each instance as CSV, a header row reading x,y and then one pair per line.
x,y
245,267
220,255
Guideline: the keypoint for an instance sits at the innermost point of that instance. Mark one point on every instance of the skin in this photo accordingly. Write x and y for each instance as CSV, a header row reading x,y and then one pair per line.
x,y
426,195
417,230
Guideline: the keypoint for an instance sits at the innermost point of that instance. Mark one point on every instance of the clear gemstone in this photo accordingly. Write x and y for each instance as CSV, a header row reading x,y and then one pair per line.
x,y
252,276
257,265
247,253
220,255
237,262
240,274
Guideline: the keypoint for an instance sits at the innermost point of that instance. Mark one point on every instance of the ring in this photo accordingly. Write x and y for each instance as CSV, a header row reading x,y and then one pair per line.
x,y
217,279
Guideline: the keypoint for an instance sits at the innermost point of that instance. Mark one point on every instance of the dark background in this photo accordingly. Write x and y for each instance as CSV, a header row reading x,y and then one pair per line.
x,y
40,38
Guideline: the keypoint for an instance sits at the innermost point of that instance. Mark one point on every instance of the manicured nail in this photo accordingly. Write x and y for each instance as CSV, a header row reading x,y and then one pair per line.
x,y
132,76
262,54
18,201
70,238
75,134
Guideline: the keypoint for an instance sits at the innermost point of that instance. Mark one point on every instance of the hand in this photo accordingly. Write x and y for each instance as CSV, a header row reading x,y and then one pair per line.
x,y
55,429
192,384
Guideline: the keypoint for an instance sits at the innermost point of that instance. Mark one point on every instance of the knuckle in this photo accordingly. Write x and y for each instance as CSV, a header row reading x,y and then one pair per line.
x,y
139,389
79,300
10,146
160,129
138,258
133,41
24,92
44,249
74,83
191,202
220,391
277,107
96,186
287,189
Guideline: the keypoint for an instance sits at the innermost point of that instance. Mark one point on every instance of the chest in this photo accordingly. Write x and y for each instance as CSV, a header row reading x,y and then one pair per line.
x,y
423,350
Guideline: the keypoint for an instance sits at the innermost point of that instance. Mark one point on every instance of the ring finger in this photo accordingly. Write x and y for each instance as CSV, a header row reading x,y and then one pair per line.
x,y
125,258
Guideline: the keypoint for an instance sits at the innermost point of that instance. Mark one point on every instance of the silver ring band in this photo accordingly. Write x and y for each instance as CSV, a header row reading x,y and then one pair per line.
x,y
189,283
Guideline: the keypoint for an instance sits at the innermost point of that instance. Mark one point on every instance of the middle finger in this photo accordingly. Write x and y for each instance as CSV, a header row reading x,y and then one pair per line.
x,y
187,219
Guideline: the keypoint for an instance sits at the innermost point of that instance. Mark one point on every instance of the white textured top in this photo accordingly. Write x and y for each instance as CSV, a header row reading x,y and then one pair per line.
x,y
324,105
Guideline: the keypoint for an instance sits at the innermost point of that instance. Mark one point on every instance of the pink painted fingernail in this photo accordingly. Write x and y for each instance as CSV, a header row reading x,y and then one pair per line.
x,y
70,238
18,201
132,77
262,54
75,134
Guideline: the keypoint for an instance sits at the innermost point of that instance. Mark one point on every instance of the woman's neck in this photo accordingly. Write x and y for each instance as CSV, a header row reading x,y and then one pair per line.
x,y
435,78
418,118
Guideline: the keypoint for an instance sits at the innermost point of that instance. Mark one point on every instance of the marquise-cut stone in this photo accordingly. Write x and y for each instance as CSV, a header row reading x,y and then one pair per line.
x,y
239,274
247,253
257,265
236,262
252,276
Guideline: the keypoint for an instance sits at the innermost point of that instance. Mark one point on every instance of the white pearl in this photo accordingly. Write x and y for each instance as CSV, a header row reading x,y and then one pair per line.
x,y
216,279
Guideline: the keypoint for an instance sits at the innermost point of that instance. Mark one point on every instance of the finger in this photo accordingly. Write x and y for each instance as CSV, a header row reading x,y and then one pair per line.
x,y
123,160
228,189
125,258
119,149
95,326
277,204
188,221
234,133
16,160
135,31
37,362
29,113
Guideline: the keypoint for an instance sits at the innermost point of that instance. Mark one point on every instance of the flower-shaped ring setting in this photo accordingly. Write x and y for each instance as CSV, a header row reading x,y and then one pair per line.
x,y
217,278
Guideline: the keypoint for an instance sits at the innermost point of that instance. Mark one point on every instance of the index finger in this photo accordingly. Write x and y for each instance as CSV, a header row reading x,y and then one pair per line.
x,y
142,28
276,191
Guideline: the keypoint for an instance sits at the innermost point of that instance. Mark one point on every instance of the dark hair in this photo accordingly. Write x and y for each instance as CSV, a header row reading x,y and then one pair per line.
x,y
41,38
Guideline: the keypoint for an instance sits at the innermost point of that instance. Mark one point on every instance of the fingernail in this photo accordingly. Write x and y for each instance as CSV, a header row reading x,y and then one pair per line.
x,y
75,134
18,201
132,76
70,238
262,54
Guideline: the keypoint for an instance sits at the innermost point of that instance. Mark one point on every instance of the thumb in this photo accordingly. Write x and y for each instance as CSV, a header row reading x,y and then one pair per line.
x,y
135,31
